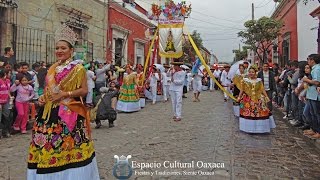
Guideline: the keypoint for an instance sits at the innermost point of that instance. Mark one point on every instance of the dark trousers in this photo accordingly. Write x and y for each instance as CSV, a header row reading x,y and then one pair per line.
x,y
294,106
269,104
6,122
307,113
315,115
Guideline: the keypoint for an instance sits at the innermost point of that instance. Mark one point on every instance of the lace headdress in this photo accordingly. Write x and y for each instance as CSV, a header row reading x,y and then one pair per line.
x,y
65,33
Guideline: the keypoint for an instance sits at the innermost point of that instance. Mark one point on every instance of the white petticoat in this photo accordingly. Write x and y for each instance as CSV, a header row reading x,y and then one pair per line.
x,y
257,126
236,111
89,171
142,102
128,106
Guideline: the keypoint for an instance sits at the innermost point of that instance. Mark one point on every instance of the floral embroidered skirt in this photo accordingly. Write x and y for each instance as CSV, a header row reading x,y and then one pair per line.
x,y
255,117
55,151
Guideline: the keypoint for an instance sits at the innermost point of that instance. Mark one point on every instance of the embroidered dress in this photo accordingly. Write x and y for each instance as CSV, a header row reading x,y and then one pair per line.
x,y
237,81
142,100
61,147
129,95
255,117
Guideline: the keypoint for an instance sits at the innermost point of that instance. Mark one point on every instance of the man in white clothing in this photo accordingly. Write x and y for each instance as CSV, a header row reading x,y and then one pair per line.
x,y
226,81
197,85
154,78
90,81
216,74
166,81
176,89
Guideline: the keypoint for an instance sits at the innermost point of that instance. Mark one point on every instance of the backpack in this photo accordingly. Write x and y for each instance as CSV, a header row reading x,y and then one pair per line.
x,y
93,111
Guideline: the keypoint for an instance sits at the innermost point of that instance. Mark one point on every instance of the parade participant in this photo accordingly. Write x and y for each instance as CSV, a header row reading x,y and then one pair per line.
x,y
153,79
236,82
140,85
197,83
211,82
129,95
255,117
60,148
176,88
216,74
166,80
226,81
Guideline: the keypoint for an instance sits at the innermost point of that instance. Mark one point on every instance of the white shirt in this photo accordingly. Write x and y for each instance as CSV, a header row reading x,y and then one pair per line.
x,y
90,76
166,79
154,77
217,73
225,81
178,81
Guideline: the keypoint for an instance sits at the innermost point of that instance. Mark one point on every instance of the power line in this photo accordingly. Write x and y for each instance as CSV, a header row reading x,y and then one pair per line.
x,y
231,27
263,5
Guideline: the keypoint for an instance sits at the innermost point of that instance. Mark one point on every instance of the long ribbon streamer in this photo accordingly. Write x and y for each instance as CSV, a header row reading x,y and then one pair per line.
x,y
207,67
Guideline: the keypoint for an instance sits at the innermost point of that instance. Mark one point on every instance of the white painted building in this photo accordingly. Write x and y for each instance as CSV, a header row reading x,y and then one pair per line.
x,y
307,29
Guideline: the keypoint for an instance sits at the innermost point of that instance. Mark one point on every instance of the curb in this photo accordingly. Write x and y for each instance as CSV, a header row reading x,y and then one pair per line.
x,y
279,113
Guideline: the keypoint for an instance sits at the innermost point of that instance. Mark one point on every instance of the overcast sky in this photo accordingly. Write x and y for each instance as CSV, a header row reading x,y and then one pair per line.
x,y
218,22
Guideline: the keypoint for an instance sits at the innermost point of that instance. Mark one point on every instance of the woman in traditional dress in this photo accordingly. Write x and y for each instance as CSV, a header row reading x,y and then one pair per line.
x,y
140,84
61,146
129,95
255,117
236,82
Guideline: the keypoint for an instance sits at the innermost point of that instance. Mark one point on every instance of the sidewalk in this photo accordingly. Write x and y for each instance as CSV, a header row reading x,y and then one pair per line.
x,y
278,112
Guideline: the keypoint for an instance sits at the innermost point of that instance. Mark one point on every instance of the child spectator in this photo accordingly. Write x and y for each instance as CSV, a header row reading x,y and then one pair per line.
x,y
25,93
4,103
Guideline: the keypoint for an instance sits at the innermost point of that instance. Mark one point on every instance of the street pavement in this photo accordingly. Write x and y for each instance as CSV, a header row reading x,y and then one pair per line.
x,y
208,136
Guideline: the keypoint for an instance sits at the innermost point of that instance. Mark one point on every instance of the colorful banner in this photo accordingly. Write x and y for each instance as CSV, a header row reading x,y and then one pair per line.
x,y
170,39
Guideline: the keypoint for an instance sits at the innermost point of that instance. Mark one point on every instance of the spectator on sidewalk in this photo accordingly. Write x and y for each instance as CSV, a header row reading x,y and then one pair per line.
x,y
301,90
268,80
90,81
42,73
293,80
5,121
25,93
24,72
8,56
101,76
313,96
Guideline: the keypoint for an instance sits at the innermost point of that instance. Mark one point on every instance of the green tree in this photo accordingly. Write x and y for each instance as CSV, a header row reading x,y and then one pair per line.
x,y
306,1
260,34
188,51
241,54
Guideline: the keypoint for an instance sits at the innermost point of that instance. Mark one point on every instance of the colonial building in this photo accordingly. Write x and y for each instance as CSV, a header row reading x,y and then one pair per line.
x,y
128,33
287,42
307,29
29,26
316,15
206,54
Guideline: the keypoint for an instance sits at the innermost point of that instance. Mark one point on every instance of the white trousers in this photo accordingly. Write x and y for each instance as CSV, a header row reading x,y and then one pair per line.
x,y
225,94
176,99
154,93
211,84
165,90
89,96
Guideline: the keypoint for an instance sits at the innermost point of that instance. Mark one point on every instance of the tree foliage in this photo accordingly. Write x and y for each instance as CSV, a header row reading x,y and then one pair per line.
x,y
306,1
260,34
188,50
241,54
